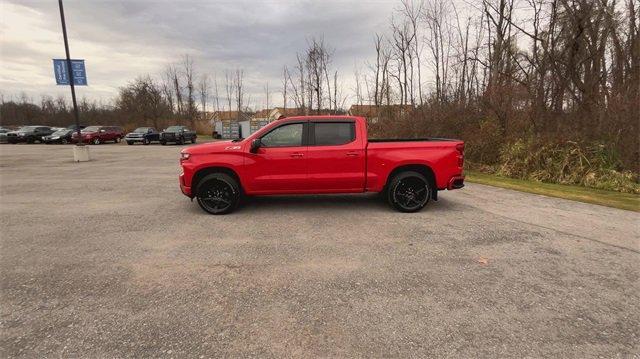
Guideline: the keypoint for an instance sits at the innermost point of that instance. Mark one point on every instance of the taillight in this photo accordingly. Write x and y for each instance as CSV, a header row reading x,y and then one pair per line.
x,y
460,149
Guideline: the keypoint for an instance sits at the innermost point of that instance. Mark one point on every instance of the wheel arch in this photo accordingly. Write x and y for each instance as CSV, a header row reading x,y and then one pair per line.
x,y
203,172
423,169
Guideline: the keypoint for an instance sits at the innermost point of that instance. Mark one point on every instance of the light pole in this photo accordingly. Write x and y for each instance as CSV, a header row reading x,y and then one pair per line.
x,y
70,72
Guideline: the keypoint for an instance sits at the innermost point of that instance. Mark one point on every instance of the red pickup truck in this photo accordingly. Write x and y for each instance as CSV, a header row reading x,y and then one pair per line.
x,y
320,154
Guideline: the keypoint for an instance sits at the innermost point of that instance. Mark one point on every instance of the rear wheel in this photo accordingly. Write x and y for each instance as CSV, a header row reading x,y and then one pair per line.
x,y
96,141
129,143
218,193
408,191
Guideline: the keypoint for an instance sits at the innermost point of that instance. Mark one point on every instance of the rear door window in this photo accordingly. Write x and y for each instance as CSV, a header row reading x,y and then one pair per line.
x,y
333,133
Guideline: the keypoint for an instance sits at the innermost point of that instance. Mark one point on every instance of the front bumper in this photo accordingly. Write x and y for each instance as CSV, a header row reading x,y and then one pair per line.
x,y
186,190
134,139
456,182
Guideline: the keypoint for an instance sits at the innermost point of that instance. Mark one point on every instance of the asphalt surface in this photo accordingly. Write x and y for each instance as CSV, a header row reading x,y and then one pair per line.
x,y
109,259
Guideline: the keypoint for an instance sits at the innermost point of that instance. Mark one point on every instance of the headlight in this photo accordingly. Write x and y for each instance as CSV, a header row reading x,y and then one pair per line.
x,y
184,156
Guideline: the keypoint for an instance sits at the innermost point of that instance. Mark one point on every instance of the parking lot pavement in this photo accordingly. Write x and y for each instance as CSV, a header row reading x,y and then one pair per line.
x,y
109,259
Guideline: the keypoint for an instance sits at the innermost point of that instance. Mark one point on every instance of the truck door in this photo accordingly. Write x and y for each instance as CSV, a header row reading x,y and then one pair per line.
x,y
280,164
336,157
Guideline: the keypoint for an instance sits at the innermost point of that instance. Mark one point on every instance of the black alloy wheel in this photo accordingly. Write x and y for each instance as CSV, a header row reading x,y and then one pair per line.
x,y
409,191
218,193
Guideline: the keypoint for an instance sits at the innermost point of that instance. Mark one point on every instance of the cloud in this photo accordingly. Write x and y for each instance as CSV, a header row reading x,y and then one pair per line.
x,y
123,39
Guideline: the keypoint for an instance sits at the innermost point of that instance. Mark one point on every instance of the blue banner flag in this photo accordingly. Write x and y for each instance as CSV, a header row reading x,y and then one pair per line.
x,y
62,73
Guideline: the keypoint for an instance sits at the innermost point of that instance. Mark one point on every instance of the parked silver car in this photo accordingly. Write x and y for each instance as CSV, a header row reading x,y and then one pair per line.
x,y
3,134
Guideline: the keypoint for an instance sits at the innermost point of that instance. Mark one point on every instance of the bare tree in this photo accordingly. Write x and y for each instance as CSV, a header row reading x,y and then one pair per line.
x,y
229,88
203,89
240,90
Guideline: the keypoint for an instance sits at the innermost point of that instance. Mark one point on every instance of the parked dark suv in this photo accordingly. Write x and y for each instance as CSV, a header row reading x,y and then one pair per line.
x,y
178,135
145,135
28,134
62,135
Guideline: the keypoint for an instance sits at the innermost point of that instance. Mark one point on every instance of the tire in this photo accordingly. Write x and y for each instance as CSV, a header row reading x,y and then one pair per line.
x,y
116,140
145,142
193,139
96,141
180,141
30,140
408,191
218,193
129,143
164,143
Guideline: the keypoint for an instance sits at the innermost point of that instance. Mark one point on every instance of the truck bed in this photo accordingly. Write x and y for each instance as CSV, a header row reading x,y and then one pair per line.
x,y
422,139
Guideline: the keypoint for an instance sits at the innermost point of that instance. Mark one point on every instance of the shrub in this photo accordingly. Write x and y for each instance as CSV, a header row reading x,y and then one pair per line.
x,y
589,164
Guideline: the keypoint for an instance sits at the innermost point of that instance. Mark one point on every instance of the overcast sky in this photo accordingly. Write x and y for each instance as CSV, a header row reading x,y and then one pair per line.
x,y
123,39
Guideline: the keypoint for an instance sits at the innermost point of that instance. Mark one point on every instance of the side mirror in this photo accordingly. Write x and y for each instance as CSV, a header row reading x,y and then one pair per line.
x,y
255,144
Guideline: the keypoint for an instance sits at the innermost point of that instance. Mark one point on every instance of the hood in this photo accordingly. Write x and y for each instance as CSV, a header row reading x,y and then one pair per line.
x,y
214,147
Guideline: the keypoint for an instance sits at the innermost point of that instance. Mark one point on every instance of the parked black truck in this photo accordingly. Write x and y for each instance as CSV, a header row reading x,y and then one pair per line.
x,y
29,134
177,134
144,135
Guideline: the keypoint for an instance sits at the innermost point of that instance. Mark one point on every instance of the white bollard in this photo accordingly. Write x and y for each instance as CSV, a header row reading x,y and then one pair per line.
x,y
81,153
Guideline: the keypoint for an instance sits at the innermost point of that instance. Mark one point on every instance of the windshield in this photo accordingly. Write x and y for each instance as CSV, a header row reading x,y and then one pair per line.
x,y
174,129
61,132
91,129
141,130
27,128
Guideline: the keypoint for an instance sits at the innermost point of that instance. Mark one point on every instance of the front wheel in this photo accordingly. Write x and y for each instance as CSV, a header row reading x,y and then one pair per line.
x,y
408,191
96,141
145,141
218,193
